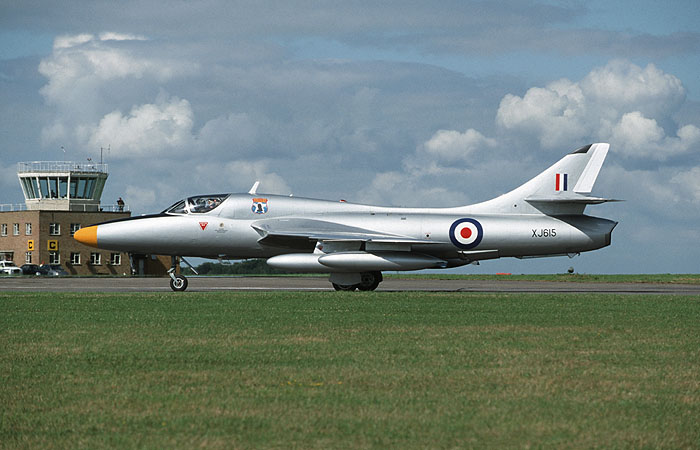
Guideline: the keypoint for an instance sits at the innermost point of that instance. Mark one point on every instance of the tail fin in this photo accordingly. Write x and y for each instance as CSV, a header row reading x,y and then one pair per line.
x,y
561,189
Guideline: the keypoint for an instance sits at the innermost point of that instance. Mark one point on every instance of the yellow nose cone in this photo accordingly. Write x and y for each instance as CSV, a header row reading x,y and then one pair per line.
x,y
87,236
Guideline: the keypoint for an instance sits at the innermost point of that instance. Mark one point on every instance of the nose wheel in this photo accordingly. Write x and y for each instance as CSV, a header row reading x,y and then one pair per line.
x,y
178,283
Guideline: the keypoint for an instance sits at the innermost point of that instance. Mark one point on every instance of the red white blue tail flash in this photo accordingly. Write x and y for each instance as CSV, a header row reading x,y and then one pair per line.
x,y
562,182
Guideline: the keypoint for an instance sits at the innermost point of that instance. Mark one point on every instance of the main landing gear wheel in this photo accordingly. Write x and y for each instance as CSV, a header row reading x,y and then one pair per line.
x,y
178,283
369,281
344,287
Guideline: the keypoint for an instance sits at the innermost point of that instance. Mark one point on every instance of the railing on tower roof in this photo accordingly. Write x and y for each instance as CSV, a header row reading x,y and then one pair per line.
x,y
14,207
61,166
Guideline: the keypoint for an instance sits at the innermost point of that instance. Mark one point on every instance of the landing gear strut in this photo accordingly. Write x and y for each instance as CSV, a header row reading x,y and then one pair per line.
x,y
368,282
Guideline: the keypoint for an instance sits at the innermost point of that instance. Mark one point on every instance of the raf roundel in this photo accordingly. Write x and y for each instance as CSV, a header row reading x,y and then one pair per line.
x,y
466,233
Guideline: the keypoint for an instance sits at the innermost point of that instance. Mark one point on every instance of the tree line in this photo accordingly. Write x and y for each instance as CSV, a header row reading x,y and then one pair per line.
x,y
247,267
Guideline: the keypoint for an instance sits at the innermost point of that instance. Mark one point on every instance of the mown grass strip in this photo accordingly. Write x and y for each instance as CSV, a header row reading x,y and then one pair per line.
x,y
665,278
319,370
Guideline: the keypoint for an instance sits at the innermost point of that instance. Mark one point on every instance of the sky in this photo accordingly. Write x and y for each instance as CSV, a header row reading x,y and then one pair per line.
x,y
400,103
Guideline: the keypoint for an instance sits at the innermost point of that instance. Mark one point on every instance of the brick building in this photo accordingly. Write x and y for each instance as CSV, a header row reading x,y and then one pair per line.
x,y
46,237
60,198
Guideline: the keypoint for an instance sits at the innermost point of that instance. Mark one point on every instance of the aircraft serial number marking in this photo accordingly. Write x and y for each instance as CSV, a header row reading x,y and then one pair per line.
x,y
544,233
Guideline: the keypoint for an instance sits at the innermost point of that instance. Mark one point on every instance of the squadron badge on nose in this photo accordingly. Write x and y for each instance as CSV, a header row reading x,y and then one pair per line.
x,y
259,205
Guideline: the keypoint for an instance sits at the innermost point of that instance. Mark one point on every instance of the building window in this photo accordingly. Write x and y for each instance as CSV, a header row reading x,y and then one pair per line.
x,y
3,229
28,258
115,259
15,229
7,256
55,229
73,228
95,259
75,259
54,258
27,229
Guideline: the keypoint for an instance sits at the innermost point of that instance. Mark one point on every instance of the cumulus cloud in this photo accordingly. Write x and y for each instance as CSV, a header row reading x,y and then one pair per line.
x,y
642,137
84,61
625,86
451,146
620,102
147,130
556,113
90,78
688,183
112,36
71,41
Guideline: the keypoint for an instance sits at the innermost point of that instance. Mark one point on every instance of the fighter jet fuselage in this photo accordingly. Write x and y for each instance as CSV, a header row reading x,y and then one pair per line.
x,y
355,242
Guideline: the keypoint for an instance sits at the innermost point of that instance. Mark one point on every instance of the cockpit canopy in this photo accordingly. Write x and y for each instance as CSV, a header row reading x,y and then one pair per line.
x,y
199,204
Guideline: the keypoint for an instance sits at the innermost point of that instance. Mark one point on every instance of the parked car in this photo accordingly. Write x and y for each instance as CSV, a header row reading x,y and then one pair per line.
x,y
30,269
9,268
52,270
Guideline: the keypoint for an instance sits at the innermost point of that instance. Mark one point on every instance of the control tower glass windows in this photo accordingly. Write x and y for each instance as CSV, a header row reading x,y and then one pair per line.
x,y
73,187
53,185
82,187
63,187
31,187
44,185
90,187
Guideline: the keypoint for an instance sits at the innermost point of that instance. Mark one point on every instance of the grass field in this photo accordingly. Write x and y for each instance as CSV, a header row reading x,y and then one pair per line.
x,y
333,369
665,278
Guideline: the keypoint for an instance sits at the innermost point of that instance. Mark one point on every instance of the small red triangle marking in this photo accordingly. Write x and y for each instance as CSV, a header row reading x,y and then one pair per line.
x,y
203,224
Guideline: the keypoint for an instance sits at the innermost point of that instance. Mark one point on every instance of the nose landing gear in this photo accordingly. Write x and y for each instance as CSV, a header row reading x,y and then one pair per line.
x,y
178,283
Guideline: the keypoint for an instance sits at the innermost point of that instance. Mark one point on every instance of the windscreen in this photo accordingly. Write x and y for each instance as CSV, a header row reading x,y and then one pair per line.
x,y
177,208
197,205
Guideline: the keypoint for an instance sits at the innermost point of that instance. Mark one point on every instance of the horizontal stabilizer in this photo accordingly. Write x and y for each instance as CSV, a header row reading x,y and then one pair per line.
x,y
580,200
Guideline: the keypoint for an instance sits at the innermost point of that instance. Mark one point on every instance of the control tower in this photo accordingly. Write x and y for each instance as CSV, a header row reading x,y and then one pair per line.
x,y
62,186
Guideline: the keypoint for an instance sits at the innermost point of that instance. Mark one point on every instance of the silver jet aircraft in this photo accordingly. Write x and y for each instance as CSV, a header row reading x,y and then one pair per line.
x,y
355,243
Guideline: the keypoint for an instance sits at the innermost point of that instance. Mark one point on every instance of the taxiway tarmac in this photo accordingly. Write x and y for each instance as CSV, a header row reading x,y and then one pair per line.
x,y
206,284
